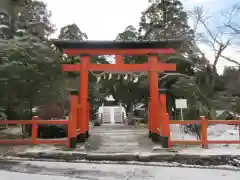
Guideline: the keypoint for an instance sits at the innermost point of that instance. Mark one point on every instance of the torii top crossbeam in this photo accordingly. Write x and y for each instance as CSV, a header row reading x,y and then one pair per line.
x,y
83,48
75,48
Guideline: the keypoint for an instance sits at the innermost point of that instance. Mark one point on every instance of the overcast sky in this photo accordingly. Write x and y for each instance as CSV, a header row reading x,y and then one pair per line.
x,y
104,19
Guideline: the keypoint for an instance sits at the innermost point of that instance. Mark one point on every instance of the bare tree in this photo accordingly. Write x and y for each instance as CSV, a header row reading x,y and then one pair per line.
x,y
215,36
232,19
218,38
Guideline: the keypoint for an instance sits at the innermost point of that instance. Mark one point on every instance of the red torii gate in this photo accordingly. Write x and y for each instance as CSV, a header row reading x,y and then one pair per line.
x,y
85,49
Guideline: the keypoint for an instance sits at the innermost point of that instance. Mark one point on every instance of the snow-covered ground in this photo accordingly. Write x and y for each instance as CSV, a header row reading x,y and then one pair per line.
x,y
39,170
215,132
127,140
135,140
89,171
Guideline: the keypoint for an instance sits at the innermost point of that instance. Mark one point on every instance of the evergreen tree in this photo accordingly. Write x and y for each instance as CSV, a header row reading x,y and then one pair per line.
x,y
166,20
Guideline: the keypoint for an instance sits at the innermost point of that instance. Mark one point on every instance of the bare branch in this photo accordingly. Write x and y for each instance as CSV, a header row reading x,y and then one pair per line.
x,y
232,18
219,41
230,60
234,29
173,74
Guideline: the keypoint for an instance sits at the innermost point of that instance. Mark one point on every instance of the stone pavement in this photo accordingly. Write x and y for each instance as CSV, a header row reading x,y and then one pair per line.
x,y
119,139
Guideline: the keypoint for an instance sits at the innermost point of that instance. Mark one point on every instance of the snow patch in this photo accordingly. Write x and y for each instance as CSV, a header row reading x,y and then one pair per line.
x,y
118,171
215,132
37,149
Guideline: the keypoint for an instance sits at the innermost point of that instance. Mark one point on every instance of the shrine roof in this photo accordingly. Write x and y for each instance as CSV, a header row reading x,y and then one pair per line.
x,y
75,44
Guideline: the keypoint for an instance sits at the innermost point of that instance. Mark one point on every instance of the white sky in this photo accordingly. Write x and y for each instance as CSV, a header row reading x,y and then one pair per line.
x,y
104,19
100,19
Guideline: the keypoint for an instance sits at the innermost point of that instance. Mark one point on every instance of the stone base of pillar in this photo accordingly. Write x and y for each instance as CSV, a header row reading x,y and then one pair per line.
x,y
73,142
81,138
156,137
149,134
87,134
165,142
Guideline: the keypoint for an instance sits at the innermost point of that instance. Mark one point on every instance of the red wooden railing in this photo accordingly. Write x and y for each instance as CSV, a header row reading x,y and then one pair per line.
x,y
204,136
72,123
34,139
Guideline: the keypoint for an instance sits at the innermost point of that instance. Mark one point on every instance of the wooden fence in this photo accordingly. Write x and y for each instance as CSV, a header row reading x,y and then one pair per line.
x,y
72,132
34,138
204,136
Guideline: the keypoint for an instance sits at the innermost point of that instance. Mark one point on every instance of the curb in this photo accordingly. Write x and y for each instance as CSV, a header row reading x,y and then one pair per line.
x,y
202,160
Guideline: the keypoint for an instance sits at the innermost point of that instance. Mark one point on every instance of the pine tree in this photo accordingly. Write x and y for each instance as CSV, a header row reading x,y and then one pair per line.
x,y
166,20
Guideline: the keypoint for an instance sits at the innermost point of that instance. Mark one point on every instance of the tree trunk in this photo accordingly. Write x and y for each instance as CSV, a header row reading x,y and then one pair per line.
x,y
26,128
30,108
129,112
